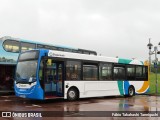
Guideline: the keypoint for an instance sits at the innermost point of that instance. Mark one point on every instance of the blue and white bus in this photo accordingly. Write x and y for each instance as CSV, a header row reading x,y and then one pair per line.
x,y
11,47
48,74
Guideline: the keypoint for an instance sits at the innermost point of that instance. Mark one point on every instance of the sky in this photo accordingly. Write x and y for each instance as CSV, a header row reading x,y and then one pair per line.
x,y
111,27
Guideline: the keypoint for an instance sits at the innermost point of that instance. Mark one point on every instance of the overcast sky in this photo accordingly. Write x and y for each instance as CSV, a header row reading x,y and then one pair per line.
x,y
110,27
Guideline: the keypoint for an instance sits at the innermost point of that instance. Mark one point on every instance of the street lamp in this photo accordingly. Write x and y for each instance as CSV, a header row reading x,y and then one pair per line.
x,y
155,61
150,44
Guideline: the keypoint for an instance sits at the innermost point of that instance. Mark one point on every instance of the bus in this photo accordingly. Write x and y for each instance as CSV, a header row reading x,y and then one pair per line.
x,y
11,47
48,74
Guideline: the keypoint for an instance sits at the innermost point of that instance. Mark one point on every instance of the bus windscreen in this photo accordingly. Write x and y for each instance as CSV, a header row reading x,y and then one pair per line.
x,y
26,71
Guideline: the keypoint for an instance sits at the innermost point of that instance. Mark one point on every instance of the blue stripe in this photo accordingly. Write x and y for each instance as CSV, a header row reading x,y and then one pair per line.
x,y
126,86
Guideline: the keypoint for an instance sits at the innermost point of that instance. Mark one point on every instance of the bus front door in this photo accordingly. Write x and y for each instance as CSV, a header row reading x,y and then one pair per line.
x,y
54,76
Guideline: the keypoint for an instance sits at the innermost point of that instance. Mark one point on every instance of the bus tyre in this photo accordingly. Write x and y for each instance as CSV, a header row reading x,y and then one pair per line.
x,y
72,94
131,91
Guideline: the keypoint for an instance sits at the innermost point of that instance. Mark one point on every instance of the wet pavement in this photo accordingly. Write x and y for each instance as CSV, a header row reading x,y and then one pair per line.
x,y
78,110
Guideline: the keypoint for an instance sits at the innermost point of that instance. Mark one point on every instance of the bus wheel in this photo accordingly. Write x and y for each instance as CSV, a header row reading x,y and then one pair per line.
x,y
72,94
131,91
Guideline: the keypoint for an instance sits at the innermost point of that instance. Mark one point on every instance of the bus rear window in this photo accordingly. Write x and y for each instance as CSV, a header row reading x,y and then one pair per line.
x,y
32,55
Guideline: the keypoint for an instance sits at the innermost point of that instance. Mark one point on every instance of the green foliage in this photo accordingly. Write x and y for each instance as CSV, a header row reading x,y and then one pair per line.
x,y
153,83
154,70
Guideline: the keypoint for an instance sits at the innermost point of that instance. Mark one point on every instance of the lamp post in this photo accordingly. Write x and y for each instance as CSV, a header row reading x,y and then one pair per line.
x,y
155,61
150,53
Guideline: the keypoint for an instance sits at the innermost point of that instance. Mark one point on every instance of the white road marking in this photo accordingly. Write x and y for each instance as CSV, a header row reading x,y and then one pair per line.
x,y
33,105
36,105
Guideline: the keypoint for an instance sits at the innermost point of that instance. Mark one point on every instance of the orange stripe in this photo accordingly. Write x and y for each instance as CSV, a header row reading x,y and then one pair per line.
x,y
144,87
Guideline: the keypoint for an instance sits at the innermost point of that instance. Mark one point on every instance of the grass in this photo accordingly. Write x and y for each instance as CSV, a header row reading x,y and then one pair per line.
x,y
153,83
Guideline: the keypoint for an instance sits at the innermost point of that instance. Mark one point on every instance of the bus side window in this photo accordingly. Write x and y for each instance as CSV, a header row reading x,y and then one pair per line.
x,y
90,72
105,71
27,46
119,72
139,73
145,73
130,70
73,70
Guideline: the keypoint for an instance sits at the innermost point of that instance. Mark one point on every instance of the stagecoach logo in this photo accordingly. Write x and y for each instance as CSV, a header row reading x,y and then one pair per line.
x,y
22,85
55,54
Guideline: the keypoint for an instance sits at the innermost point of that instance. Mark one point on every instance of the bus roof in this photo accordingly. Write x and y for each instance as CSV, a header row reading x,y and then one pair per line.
x,y
36,42
41,45
60,54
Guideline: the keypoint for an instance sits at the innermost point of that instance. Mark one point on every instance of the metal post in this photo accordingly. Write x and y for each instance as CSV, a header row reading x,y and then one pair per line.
x,y
156,60
150,57
150,61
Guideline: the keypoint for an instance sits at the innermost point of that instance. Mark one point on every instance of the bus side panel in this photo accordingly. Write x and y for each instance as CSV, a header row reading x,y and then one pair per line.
x,y
106,88
141,87
94,88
